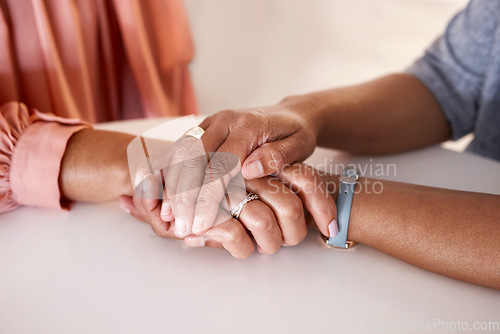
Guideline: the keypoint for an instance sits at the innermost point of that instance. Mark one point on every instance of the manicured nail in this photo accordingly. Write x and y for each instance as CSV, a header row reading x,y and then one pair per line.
x,y
180,228
198,225
124,208
195,241
166,208
141,174
333,228
254,170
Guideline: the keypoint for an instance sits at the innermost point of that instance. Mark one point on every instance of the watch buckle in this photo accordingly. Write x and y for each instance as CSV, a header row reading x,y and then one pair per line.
x,y
349,244
349,179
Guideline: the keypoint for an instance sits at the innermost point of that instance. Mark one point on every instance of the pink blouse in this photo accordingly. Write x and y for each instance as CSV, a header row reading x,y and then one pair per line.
x,y
65,64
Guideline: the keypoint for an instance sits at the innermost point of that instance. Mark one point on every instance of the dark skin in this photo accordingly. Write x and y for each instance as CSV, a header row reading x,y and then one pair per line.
x,y
392,114
453,233
95,166
450,232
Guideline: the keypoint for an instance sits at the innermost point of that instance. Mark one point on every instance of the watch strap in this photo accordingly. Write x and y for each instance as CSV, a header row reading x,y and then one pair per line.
x,y
344,202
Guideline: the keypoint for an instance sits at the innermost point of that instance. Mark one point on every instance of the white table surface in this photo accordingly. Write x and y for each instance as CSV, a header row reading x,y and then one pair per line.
x,y
97,270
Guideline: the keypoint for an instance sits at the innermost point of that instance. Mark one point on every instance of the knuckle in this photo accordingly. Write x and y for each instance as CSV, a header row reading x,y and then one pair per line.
x,y
195,159
222,164
249,120
294,209
182,198
235,235
226,113
263,223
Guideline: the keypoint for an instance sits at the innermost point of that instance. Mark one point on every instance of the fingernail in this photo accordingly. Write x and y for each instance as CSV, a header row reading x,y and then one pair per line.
x,y
124,208
166,208
195,241
333,228
141,174
198,225
180,228
254,170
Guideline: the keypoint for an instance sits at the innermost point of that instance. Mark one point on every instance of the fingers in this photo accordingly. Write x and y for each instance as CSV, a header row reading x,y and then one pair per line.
x,y
285,205
227,233
186,175
148,188
308,185
183,181
277,137
146,204
233,136
271,157
221,170
259,219
127,204
223,166
245,131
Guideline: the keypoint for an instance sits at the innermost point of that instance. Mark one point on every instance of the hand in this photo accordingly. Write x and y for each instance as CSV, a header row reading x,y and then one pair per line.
x,y
276,219
318,191
264,140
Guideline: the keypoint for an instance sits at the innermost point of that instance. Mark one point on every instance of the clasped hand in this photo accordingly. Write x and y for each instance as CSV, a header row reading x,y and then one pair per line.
x,y
191,198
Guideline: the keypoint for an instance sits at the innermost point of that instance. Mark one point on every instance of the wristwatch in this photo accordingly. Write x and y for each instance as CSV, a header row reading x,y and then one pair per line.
x,y
348,181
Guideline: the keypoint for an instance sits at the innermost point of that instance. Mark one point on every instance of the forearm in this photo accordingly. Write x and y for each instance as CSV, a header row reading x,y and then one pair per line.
x,y
390,114
95,167
453,233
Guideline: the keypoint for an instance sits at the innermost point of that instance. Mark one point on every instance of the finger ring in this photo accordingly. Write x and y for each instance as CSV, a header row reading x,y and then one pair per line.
x,y
235,212
195,132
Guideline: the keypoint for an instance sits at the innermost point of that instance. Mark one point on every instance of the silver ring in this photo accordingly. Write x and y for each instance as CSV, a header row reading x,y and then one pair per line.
x,y
235,212
195,132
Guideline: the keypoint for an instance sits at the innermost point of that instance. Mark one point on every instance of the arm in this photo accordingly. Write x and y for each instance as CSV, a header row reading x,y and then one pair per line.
x,y
391,114
94,167
453,233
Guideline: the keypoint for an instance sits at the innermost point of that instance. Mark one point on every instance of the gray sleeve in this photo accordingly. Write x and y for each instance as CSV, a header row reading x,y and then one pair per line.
x,y
453,67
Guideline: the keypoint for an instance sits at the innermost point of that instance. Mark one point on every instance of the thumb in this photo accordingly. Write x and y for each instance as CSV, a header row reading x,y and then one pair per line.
x,y
270,158
308,185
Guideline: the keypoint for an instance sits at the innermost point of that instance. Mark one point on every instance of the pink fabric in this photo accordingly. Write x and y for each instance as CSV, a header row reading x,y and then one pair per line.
x,y
90,60
32,145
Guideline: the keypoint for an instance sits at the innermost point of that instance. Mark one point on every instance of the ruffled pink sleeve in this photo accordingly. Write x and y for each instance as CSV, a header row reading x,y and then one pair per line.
x,y
32,145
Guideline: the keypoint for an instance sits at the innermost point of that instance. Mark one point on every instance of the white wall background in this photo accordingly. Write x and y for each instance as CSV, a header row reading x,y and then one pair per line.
x,y
255,52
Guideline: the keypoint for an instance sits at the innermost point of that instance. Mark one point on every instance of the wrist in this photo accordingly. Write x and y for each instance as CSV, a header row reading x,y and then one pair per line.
x,y
333,185
307,108
123,181
94,167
